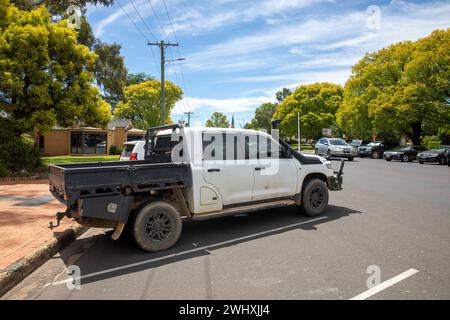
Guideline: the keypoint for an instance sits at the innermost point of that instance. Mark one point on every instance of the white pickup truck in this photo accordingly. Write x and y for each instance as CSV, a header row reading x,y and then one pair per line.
x,y
192,173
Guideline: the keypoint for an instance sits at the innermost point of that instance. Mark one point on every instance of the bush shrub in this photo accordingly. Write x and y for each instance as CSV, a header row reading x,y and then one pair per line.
x,y
17,153
114,150
431,142
4,172
444,135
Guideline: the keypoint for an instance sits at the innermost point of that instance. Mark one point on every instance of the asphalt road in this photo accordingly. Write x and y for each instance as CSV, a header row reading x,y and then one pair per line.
x,y
394,216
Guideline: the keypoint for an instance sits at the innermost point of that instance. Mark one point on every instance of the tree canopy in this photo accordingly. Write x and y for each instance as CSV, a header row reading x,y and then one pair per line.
x,y
110,71
45,75
141,103
317,104
401,89
218,120
135,78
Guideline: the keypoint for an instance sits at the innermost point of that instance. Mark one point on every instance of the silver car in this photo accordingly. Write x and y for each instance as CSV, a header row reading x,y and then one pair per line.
x,y
334,147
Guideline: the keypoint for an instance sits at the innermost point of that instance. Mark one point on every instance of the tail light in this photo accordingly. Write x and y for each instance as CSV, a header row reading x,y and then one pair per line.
x,y
133,156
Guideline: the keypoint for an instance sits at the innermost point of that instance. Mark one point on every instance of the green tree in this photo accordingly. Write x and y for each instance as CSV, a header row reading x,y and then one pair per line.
x,y
283,94
142,103
401,89
218,120
135,78
110,71
58,7
45,75
264,115
317,104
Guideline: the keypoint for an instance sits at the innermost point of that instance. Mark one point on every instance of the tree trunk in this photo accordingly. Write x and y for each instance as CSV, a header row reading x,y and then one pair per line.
x,y
416,128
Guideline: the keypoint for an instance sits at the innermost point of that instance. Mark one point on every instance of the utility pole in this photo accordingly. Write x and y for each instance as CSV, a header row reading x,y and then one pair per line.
x,y
162,46
189,113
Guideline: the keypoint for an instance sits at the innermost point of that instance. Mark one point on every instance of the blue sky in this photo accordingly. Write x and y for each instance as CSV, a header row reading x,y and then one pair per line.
x,y
239,53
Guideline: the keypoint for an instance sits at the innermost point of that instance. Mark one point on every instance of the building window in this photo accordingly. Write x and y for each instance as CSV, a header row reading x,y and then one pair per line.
x,y
88,143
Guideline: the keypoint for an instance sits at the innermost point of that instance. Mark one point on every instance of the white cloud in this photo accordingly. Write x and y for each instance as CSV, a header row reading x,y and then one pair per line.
x,y
333,43
119,15
213,15
236,105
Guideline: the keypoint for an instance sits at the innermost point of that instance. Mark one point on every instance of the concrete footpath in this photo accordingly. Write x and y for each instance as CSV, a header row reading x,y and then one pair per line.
x,y
25,240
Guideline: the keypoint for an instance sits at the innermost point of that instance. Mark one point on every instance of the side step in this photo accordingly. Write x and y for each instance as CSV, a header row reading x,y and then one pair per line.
x,y
245,209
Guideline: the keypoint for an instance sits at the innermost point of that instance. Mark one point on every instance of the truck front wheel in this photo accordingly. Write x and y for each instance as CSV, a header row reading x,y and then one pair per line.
x,y
314,198
157,226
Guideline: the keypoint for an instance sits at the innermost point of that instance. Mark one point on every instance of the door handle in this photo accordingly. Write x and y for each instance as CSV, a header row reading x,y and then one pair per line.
x,y
259,168
214,170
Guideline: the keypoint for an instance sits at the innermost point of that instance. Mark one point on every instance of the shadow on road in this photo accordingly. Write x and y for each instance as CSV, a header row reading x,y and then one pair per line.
x,y
106,254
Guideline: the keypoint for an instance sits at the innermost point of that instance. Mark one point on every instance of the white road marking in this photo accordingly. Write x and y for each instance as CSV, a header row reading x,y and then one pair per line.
x,y
384,285
132,265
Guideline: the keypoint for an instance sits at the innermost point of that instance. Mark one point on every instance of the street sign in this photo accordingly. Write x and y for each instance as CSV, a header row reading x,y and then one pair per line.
x,y
326,132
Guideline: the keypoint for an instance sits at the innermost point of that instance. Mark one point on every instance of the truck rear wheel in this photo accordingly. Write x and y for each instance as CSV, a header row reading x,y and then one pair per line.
x,y
314,198
157,226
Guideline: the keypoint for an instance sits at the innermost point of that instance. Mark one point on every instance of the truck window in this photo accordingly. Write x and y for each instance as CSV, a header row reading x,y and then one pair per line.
x,y
262,147
230,148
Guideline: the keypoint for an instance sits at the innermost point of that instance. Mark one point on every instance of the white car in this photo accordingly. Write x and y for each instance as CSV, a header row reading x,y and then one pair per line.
x,y
133,150
334,147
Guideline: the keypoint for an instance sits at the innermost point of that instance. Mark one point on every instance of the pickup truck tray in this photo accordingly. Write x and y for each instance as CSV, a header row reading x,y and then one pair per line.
x,y
69,182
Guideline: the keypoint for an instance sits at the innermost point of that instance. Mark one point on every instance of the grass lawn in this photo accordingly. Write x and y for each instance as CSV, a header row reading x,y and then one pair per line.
x,y
71,159
304,147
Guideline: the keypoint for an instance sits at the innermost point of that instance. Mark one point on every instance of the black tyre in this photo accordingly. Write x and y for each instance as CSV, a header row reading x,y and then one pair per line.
x,y
405,158
375,155
314,198
420,161
157,226
350,158
388,159
328,154
441,161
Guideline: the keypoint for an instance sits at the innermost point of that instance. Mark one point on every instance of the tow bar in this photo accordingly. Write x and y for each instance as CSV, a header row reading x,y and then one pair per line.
x,y
59,216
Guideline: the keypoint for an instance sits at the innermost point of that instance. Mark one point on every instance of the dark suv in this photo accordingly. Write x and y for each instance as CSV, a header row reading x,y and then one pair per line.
x,y
376,149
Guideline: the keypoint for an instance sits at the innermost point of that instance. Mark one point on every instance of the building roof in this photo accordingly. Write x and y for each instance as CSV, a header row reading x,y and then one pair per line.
x,y
136,131
119,123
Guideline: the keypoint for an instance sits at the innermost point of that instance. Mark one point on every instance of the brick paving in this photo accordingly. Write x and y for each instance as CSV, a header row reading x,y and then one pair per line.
x,y
26,208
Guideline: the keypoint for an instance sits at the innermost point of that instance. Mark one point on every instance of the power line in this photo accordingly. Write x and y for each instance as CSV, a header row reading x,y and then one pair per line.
x,y
157,19
137,28
170,21
143,21
179,53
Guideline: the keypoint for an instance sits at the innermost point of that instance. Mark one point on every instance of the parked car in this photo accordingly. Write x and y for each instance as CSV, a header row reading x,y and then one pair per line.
x,y
447,156
133,150
438,155
356,144
407,154
376,149
334,147
193,181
